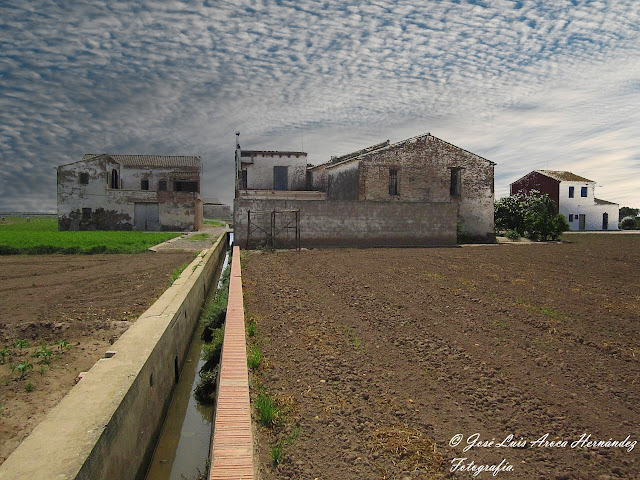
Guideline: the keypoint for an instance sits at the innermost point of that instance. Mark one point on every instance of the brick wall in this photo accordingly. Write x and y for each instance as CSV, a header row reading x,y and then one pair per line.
x,y
351,223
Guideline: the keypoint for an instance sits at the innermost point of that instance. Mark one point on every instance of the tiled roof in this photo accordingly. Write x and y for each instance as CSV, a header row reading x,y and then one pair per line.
x,y
161,161
270,153
561,176
384,146
603,202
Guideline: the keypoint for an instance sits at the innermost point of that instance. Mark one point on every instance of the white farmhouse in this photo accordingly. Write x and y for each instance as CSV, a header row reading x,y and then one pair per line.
x,y
575,197
130,192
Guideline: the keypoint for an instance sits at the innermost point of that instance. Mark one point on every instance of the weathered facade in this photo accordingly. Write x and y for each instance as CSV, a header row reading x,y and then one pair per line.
x,y
432,189
130,192
214,209
574,197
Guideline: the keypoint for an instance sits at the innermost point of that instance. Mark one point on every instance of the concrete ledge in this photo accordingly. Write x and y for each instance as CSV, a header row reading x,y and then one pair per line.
x,y
232,451
106,427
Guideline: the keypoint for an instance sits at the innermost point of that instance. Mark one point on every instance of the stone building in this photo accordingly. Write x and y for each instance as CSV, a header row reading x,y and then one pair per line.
x,y
214,209
574,197
420,191
130,192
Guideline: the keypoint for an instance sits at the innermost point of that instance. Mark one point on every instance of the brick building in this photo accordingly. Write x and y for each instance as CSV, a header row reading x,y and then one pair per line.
x,y
416,192
130,192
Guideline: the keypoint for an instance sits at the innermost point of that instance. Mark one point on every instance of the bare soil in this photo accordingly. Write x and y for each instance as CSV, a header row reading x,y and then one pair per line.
x,y
378,358
85,300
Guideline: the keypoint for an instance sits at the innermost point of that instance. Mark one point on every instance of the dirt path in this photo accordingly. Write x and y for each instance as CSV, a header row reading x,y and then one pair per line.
x,y
192,241
85,300
374,353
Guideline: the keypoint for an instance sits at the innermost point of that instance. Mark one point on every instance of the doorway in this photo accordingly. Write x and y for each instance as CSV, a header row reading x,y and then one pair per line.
x,y
281,178
146,217
581,221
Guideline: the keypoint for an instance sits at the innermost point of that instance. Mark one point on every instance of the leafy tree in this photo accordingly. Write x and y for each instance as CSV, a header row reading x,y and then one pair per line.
x,y
533,214
509,213
627,212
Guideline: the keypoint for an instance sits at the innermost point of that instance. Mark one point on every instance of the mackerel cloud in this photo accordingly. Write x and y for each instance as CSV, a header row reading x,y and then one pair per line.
x,y
526,84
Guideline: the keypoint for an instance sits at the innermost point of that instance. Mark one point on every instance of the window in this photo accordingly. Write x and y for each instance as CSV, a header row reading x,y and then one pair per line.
x,y
182,186
393,181
571,192
244,179
571,217
583,192
86,214
114,179
162,185
455,189
84,178
144,184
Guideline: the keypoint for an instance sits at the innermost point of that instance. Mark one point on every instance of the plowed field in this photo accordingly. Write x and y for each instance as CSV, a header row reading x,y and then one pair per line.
x,y
87,301
432,363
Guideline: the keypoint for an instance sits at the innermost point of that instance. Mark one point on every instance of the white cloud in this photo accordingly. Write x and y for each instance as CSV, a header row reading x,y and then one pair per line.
x,y
527,87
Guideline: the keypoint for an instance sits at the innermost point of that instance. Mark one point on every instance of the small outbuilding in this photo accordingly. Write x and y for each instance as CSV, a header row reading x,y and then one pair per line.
x,y
130,192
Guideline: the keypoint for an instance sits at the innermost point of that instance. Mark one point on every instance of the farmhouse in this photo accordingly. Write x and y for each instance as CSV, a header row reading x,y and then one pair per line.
x,y
130,192
574,197
420,191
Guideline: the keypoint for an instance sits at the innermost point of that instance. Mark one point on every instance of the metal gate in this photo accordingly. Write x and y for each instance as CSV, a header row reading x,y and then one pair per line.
x,y
146,216
273,228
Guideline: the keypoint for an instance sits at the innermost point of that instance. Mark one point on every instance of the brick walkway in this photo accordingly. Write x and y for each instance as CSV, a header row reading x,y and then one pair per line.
x,y
232,451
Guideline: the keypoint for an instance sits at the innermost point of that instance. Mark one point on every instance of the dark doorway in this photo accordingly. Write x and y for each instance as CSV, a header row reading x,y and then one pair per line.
x,y
114,179
581,221
281,178
605,221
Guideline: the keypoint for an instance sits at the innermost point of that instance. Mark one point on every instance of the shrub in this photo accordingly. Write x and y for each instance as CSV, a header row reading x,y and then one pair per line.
x,y
205,390
559,225
512,235
212,351
629,223
533,214
216,311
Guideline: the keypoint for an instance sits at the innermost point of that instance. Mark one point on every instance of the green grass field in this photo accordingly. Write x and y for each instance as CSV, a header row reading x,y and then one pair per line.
x,y
41,236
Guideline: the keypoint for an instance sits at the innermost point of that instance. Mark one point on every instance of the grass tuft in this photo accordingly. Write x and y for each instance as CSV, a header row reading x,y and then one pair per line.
x,y
254,357
267,410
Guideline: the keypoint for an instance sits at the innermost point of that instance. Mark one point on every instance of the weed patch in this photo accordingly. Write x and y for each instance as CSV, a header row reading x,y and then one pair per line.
x,y
212,351
267,410
212,317
254,357
198,237
176,273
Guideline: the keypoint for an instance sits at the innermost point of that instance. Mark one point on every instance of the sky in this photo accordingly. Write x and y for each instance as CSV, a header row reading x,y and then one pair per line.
x,y
528,84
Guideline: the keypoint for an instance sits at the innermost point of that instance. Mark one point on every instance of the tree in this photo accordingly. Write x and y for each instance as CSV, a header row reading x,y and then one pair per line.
x,y
627,212
509,213
533,214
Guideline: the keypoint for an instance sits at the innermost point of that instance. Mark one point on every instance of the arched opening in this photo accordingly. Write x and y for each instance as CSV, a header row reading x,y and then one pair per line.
x,y
114,179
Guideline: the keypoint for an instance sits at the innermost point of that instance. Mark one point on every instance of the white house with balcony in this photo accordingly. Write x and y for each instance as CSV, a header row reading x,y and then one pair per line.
x,y
575,197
